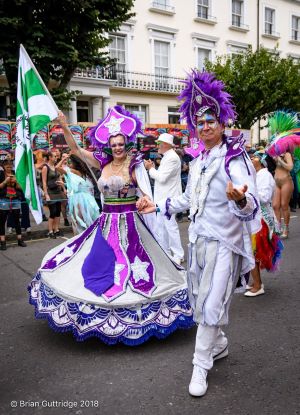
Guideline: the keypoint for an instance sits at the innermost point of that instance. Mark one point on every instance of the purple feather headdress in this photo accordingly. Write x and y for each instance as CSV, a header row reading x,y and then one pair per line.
x,y
118,121
204,92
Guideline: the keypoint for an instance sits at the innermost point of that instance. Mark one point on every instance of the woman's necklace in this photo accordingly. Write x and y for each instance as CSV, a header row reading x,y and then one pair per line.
x,y
118,170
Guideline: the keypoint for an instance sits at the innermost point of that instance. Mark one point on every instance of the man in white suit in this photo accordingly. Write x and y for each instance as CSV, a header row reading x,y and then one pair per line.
x,y
167,183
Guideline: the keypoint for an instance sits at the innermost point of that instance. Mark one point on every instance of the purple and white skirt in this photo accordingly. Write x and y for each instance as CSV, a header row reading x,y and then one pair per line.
x,y
113,281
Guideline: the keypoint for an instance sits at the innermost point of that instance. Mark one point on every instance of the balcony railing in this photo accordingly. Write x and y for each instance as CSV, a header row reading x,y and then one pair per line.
x,y
271,33
148,82
133,80
239,25
208,17
98,72
163,6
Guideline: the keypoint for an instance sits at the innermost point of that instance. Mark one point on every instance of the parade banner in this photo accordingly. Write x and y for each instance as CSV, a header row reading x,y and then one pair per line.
x,y
236,132
77,132
35,109
148,142
57,137
86,140
41,139
13,130
3,155
5,136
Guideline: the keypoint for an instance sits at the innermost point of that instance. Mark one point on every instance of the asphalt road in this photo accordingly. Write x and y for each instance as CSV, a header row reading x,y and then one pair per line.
x,y
43,372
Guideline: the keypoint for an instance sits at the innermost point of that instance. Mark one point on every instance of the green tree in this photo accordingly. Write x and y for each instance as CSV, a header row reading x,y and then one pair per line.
x,y
260,82
59,36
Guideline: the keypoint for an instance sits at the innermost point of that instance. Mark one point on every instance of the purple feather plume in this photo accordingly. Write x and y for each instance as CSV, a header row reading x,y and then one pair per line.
x,y
209,92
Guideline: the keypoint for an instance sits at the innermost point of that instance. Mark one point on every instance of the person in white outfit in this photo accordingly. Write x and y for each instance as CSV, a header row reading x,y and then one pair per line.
x,y
224,211
167,183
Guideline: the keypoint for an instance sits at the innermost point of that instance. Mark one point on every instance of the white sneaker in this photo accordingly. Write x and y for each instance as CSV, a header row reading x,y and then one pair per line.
x,y
198,384
219,353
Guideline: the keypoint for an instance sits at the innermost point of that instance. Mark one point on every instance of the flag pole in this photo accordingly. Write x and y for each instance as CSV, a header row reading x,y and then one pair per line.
x,y
39,77
56,107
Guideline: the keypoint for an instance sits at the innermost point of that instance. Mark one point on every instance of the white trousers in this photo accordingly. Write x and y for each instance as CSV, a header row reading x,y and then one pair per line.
x,y
212,276
169,236
210,340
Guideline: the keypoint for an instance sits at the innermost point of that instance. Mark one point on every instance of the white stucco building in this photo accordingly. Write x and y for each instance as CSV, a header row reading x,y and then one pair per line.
x,y
168,37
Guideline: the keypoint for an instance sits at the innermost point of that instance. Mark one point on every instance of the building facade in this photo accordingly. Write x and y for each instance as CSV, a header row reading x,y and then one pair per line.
x,y
166,39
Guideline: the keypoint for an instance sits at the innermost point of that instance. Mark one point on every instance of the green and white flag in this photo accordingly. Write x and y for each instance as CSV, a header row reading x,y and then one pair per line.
x,y
35,109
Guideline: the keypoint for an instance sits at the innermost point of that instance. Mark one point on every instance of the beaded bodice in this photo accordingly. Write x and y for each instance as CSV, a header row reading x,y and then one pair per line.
x,y
115,187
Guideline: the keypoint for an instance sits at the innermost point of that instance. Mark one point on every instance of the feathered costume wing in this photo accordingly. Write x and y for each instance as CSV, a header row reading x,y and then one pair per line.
x,y
285,130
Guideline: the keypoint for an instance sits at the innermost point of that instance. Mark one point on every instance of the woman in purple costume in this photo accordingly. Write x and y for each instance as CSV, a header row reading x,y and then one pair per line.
x,y
113,281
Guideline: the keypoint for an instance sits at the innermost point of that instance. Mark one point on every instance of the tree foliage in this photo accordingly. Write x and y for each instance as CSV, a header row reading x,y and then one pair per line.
x,y
59,36
260,82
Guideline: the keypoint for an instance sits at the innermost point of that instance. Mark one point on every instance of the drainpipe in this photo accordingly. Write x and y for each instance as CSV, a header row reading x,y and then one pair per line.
x,y
257,48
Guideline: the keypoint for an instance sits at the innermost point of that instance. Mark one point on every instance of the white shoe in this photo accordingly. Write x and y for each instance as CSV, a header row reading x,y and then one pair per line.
x,y
251,294
249,287
219,354
198,384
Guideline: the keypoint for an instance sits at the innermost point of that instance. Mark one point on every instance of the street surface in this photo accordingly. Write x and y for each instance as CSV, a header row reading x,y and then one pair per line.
x,y
43,372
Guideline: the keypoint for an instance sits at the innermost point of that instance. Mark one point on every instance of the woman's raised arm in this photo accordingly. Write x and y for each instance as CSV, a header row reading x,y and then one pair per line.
x,y
85,155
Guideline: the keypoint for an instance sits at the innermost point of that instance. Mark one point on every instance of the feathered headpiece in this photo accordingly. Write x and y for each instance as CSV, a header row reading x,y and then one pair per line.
x,y
204,92
285,130
117,121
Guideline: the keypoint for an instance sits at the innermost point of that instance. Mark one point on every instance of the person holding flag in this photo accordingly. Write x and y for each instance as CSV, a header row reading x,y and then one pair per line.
x,y
35,109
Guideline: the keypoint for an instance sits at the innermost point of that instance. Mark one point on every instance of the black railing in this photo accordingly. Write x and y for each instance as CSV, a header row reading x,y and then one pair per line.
x,y
98,72
205,16
237,22
133,80
271,33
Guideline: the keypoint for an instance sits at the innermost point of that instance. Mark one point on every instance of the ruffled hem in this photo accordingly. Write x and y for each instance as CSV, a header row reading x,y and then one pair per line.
x,y
131,326
267,251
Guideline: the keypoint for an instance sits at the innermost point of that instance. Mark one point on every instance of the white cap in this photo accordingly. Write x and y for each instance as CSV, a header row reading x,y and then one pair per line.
x,y
166,138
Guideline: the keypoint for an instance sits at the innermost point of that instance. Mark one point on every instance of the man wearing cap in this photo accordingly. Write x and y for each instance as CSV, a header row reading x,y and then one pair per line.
x,y
224,211
167,183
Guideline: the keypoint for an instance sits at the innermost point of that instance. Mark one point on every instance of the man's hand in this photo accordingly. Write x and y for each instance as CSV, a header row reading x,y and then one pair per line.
x,y
148,164
235,194
145,205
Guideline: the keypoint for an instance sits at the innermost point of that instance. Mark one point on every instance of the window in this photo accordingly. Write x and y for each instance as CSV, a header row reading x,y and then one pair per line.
x,y
162,4
173,115
295,28
139,110
161,58
82,111
3,108
237,13
203,55
203,9
117,50
269,21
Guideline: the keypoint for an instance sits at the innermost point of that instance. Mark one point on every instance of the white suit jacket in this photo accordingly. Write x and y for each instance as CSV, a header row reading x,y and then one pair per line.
x,y
167,177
